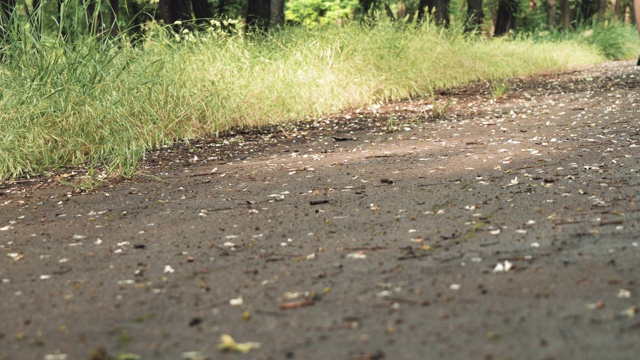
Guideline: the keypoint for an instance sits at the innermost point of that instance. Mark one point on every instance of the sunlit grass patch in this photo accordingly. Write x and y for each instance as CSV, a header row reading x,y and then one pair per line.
x,y
103,104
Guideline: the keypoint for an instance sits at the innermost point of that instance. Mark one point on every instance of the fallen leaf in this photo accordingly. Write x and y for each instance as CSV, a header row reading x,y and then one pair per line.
x,y
596,306
227,343
631,312
357,255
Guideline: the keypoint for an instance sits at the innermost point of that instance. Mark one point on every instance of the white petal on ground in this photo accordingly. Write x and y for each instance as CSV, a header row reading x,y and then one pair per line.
x,y
624,294
236,302
357,255
500,267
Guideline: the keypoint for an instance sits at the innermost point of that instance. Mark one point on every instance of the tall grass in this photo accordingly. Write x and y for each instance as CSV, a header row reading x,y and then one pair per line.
x,y
103,104
612,39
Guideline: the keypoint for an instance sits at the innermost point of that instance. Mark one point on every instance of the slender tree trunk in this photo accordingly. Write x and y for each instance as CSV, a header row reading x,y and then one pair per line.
x,y
586,11
138,18
201,10
636,13
475,16
618,10
365,6
506,17
439,9
565,10
602,9
259,14
221,8
551,14
402,10
422,6
276,16
443,18
174,10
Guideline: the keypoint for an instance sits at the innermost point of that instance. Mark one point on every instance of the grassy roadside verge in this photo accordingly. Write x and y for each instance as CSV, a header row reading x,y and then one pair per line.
x,y
103,106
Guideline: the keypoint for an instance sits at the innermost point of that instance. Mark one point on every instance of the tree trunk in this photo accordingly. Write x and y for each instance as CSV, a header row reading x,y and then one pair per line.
x,y
617,9
366,6
475,16
506,17
636,17
551,14
636,13
138,18
443,17
221,8
565,10
202,10
438,8
602,9
402,10
422,5
276,17
259,14
586,10
174,10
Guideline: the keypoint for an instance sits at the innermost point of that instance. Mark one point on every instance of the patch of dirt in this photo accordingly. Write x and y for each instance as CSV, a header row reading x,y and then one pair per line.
x,y
501,228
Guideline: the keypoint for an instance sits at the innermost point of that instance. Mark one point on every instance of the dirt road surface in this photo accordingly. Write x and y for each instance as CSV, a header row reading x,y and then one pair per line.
x,y
507,228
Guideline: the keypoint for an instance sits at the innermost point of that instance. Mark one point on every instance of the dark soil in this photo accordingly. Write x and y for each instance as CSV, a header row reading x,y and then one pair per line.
x,y
375,234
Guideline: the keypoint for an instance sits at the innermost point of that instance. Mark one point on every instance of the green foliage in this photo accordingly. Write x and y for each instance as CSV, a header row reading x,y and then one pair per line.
x,y
612,39
499,89
312,13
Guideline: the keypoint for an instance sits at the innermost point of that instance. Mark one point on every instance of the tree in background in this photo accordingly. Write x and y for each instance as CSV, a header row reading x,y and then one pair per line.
x,y
265,14
502,16
439,9
506,17
184,10
475,16
551,14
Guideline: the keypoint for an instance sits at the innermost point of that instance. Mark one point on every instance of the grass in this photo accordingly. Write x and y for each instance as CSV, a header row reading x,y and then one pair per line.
x,y
499,89
101,105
